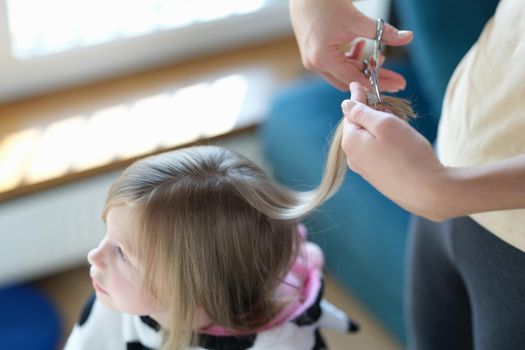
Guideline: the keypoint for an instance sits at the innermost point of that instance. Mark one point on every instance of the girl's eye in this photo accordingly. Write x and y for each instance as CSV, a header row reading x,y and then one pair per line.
x,y
120,253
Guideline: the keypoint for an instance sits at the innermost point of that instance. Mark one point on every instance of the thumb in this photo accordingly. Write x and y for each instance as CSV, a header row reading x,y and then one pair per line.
x,y
357,113
358,92
366,27
362,115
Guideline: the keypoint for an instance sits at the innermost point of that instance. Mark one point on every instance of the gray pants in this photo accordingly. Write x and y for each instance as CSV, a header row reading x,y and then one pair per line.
x,y
465,288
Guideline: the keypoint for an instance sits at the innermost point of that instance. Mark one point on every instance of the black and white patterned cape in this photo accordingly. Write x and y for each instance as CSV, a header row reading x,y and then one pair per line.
x,y
103,329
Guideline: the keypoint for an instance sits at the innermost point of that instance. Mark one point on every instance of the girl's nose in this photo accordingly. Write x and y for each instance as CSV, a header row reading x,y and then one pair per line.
x,y
95,258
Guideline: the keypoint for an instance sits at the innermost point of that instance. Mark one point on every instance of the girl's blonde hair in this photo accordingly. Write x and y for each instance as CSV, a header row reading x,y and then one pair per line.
x,y
216,232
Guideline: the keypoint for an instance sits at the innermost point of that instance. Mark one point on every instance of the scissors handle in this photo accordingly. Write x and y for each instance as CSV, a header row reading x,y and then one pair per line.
x,y
377,40
372,63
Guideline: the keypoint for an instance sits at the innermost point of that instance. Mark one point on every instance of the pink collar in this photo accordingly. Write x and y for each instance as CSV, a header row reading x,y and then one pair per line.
x,y
311,285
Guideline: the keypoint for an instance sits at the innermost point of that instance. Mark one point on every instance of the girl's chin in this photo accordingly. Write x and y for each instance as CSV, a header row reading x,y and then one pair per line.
x,y
125,308
105,300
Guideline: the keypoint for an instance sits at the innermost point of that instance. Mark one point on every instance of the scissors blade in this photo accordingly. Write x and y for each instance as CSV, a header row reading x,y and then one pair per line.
x,y
376,56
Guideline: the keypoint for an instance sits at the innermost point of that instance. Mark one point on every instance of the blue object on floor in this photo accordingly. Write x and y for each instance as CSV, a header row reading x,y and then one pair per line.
x,y
28,320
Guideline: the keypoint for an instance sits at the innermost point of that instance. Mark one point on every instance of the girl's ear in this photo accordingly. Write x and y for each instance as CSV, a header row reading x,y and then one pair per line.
x,y
311,252
314,255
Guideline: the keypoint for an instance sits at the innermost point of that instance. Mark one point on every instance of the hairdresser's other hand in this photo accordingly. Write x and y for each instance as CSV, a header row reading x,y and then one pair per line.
x,y
322,27
392,156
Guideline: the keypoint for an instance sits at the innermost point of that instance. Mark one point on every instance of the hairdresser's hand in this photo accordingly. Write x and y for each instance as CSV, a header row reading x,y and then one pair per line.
x,y
392,156
322,27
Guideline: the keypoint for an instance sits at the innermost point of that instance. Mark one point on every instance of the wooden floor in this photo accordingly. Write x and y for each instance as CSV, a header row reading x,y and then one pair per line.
x,y
69,290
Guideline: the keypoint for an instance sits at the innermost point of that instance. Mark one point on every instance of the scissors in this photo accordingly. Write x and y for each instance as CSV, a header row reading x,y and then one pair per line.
x,y
372,63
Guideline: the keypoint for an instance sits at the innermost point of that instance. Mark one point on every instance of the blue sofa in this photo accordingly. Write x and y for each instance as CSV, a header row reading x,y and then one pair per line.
x,y
363,234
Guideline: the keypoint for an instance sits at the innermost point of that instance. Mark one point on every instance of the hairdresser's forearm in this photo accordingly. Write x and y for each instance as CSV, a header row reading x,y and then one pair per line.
x,y
496,186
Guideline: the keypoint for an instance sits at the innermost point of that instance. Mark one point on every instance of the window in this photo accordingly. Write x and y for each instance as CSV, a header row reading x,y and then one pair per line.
x,y
55,43
40,28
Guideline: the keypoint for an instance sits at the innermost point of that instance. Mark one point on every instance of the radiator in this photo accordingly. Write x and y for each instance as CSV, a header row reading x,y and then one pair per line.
x,y
52,230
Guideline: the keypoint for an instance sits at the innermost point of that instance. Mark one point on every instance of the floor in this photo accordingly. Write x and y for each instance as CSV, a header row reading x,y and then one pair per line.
x,y
69,289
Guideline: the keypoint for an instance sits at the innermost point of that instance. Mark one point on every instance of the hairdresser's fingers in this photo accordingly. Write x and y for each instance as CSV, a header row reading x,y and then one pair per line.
x,y
356,50
352,70
354,142
358,92
391,81
343,69
352,135
356,73
357,113
391,35
347,71
375,122
334,82
382,59
395,37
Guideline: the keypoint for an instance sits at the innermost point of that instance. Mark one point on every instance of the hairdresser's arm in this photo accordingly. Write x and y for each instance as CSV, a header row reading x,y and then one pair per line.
x,y
400,163
322,27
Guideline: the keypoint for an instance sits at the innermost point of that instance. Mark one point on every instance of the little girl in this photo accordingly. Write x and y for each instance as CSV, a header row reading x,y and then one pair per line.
x,y
204,251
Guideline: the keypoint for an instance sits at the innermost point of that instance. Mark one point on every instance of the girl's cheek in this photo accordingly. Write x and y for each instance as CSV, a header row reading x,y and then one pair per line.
x,y
127,274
